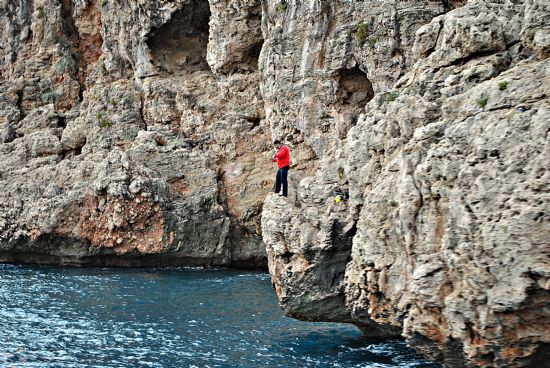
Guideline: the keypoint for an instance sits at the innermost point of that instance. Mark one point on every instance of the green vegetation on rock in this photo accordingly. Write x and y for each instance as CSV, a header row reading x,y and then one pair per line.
x,y
392,96
482,101
372,42
361,32
103,122
49,96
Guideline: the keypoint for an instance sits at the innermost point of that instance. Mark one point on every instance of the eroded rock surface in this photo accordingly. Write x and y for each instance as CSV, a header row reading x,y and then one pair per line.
x,y
119,143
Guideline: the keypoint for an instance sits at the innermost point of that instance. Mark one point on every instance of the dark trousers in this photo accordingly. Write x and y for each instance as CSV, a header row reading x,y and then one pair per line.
x,y
281,178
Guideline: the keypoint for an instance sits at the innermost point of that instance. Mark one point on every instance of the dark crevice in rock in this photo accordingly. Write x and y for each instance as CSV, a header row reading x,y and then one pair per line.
x,y
540,358
142,110
104,260
84,50
73,152
397,49
180,44
255,121
286,257
354,89
69,24
475,55
254,52
250,59
518,52
17,135
61,122
452,4
418,185
257,263
237,233
429,51
221,198
20,106
353,119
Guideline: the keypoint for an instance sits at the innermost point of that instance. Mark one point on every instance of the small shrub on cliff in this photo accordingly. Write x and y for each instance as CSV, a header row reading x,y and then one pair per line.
x,y
128,101
40,12
65,65
372,42
101,63
482,101
392,96
503,85
281,7
61,65
49,96
103,122
361,32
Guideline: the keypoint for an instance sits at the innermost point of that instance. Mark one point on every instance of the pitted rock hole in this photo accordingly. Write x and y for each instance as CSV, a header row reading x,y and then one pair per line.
x,y
180,44
253,55
354,89
247,61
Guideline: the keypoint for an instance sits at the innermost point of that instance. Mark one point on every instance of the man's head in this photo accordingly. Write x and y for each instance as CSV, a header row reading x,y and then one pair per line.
x,y
277,143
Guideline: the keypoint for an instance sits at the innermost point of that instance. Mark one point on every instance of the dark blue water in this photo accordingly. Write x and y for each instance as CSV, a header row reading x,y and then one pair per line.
x,y
62,317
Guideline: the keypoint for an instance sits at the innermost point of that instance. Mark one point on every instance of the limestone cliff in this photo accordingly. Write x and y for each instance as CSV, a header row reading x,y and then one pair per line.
x,y
138,132
440,227
132,132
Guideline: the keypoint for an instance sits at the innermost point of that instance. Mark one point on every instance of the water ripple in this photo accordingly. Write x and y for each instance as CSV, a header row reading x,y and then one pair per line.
x,y
63,317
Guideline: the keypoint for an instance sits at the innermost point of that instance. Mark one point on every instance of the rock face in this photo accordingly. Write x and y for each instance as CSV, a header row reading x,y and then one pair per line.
x,y
139,133
429,216
132,133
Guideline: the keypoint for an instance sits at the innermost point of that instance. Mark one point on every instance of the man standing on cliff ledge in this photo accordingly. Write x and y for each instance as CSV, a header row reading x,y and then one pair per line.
x,y
282,158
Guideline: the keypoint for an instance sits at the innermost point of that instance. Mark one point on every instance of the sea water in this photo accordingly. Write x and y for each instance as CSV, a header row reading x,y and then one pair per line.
x,y
96,317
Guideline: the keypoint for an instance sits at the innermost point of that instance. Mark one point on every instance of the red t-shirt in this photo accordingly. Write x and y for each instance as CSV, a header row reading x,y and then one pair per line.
x,y
282,157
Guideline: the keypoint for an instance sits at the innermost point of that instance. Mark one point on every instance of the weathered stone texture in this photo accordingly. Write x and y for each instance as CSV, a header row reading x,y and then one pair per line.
x,y
119,144
448,197
312,53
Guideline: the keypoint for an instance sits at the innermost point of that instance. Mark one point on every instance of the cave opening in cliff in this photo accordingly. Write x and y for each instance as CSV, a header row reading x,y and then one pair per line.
x,y
354,88
180,44
253,55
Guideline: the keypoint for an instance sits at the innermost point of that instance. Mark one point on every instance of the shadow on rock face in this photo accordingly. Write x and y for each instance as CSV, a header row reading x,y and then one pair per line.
x,y
180,44
307,260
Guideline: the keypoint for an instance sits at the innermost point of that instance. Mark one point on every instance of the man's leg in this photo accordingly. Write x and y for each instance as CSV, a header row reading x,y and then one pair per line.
x,y
284,180
278,179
